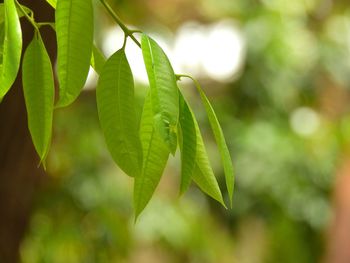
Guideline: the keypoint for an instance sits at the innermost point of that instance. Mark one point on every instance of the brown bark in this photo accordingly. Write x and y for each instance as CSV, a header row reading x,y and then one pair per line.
x,y
339,232
19,172
334,101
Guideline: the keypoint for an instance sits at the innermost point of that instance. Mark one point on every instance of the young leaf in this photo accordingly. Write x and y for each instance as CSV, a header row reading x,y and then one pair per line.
x,y
38,87
11,48
188,144
74,30
220,140
164,91
155,156
203,174
116,110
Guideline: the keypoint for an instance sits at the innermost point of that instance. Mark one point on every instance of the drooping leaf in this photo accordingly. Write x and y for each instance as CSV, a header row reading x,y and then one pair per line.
x,y
116,110
11,48
74,30
97,59
38,87
203,174
164,91
155,156
220,140
188,144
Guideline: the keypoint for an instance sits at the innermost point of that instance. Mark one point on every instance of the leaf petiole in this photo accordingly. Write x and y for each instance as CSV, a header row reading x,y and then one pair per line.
x,y
29,18
52,25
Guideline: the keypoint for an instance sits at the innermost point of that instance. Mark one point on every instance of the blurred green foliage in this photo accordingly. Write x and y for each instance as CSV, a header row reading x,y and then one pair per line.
x,y
297,57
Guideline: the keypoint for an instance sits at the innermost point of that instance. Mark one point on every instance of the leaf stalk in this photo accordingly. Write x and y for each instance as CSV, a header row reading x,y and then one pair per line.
x,y
30,19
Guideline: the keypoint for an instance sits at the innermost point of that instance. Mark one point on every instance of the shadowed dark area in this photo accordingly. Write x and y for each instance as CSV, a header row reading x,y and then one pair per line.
x,y
20,176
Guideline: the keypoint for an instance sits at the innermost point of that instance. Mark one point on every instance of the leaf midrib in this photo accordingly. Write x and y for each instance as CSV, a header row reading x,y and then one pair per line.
x,y
67,48
126,145
144,168
155,79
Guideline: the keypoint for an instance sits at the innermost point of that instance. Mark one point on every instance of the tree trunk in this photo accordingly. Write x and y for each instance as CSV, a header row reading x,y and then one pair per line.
x,y
339,232
19,172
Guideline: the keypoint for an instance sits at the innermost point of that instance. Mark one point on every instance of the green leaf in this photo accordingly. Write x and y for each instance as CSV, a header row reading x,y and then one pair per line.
x,y
38,87
52,3
2,37
11,48
155,156
74,30
220,140
2,13
97,59
164,91
188,144
2,26
19,11
203,174
116,110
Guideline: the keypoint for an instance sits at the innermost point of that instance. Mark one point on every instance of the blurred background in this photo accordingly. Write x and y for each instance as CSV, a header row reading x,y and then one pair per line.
x,y
277,73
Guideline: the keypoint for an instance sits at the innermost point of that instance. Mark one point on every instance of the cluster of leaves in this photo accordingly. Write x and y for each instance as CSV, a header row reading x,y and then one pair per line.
x,y
167,121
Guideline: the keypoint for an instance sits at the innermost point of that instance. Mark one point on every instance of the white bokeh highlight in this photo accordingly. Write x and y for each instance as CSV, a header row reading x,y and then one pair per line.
x,y
305,121
215,51
224,51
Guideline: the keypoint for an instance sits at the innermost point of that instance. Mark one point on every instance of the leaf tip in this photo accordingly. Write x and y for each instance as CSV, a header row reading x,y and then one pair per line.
x,y
181,192
61,103
185,184
223,203
138,211
136,218
231,198
42,163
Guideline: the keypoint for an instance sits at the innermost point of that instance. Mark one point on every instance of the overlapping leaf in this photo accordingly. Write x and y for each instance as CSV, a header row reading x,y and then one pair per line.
x,y
161,118
164,91
166,115
38,87
188,144
116,109
220,140
155,156
11,47
74,30
97,59
203,174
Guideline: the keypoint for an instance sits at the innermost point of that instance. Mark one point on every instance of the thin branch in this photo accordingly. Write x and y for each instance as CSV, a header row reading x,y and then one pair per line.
x,y
116,18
